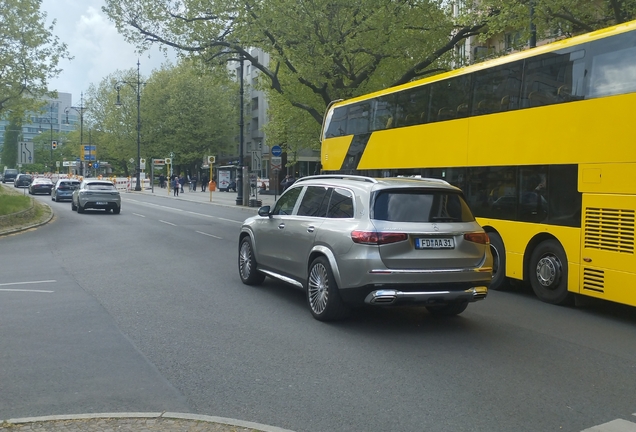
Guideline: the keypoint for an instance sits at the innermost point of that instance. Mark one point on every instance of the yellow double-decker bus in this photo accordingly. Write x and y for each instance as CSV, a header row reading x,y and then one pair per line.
x,y
543,144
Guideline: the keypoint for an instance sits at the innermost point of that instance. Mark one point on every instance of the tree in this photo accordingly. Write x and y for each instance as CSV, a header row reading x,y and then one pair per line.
x,y
29,56
320,50
183,110
191,111
11,138
550,18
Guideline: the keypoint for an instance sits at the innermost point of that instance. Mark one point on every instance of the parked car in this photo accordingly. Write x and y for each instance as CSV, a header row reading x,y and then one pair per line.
x,y
9,175
63,189
22,180
96,194
348,240
41,185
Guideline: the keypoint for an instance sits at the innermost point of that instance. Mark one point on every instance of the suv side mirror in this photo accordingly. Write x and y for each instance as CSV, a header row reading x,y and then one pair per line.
x,y
264,211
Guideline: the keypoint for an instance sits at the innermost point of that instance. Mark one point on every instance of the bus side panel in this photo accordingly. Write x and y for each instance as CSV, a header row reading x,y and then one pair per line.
x,y
555,134
520,237
334,151
608,261
608,178
435,144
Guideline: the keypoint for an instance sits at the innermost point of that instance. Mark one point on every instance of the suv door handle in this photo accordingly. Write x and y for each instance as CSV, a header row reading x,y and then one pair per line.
x,y
281,225
310,229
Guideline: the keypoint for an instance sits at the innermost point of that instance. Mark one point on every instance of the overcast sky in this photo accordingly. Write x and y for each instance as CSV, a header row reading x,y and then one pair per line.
x,y
93,41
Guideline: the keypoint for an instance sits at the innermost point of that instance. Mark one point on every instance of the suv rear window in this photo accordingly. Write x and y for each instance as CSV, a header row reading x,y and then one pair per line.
x,y
100,186
11,172
415,205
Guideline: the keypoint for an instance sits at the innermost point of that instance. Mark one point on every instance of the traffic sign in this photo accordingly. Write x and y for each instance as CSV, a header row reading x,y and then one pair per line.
x,y
96,165
211,159
276,150
276,163
168,161
158,162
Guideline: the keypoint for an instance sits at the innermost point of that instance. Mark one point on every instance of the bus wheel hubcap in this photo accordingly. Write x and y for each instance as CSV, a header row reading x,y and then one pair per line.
x,y
549,271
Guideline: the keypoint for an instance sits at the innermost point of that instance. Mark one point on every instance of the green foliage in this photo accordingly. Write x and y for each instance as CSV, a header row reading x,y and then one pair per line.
x,y
553,18
184,109
12,203
322,50
11,138
29,56
190,111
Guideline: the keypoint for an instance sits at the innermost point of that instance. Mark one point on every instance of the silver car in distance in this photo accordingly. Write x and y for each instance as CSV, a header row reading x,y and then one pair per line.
x,y
348,240
96,194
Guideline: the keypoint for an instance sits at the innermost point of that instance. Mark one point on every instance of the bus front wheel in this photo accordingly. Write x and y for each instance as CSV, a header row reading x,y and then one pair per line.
x,y
499,280
549,273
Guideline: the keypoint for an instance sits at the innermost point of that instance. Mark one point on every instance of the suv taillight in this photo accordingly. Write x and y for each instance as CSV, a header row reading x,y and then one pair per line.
x,y
377,238
477,237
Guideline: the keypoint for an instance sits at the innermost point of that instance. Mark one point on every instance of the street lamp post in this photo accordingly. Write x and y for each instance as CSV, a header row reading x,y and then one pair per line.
x,y
137,84
80,110
239,182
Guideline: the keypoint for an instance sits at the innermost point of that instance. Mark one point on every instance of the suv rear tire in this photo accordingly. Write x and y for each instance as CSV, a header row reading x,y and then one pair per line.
x,y
323,297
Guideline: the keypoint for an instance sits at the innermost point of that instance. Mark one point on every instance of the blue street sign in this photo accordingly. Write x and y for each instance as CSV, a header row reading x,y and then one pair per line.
x,y
276,151
89,148
77,159
95,165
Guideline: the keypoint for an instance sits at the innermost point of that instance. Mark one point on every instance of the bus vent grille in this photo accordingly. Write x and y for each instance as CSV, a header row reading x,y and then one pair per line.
x,y
609,229
594,280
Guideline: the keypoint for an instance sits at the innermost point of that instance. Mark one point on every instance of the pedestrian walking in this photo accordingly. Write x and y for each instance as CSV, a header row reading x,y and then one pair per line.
x,y
204,182
162,181
181,183
193,181
175,186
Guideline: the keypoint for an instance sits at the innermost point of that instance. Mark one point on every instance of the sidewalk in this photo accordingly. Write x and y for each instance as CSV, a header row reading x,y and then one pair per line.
x,y
218,198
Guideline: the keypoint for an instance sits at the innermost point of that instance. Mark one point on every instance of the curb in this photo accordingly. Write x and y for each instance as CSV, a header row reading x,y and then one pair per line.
x,y
149,415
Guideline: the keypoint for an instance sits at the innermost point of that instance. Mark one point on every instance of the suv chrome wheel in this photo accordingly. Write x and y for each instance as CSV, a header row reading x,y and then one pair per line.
x,y
322,292
247,264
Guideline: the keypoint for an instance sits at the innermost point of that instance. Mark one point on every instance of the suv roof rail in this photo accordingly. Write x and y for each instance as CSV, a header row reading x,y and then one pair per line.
x,y
339,176
431,179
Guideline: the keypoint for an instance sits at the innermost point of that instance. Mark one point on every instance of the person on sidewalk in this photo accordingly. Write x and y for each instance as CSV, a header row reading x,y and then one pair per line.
x,y
182,181
175,186
204,182
193,180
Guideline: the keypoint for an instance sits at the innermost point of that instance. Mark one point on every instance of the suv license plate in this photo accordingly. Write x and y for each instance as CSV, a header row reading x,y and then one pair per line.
x,y
435,243
101,203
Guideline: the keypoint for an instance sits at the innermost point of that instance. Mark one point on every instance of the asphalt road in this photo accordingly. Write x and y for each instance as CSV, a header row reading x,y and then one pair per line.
x,y
144,311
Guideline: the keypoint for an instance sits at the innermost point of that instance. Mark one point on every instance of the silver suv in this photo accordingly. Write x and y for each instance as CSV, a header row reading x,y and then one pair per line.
x,y
347,240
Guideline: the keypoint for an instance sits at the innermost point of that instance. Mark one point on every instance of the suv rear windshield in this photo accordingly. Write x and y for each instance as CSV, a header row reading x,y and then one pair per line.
x,y
11,172
100,186
416,205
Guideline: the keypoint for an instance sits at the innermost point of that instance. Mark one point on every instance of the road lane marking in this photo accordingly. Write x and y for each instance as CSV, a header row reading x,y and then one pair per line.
x,y
25,290
618,425
210,235
185,211
27,283
169,223
140,215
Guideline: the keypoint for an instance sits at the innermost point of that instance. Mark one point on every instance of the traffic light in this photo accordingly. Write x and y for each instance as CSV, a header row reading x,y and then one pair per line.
x,y
54,145
90,164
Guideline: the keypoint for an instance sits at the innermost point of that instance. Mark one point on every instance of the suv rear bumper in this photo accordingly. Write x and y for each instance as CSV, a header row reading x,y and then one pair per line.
x,y
422,294
393,296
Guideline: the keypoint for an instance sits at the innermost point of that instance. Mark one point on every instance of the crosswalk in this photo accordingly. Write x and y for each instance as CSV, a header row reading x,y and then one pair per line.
x,y
618,425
